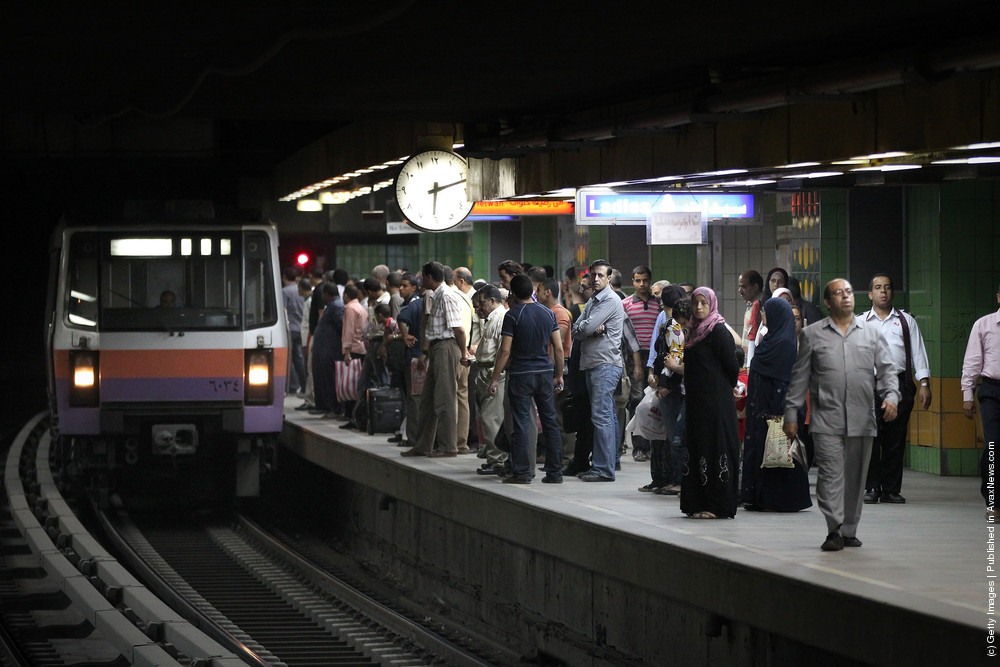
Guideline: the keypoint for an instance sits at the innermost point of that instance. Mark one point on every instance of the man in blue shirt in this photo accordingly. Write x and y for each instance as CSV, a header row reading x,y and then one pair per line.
x,y
599,333
409,320
532,345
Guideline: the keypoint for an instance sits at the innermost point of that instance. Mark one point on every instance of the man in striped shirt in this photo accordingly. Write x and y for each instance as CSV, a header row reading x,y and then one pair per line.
x,y
642,309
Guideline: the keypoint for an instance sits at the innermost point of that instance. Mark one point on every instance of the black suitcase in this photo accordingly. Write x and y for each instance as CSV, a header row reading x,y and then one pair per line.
x,y
385,409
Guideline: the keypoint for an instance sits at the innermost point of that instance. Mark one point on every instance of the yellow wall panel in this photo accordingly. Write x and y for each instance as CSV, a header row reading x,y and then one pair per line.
x,y
957,432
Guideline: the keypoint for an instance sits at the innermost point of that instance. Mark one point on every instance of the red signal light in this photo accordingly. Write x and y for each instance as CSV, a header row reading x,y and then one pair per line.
x,y
302,258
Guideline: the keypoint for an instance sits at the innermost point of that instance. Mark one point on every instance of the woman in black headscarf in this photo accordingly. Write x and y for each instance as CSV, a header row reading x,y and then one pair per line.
x,y
775,489
776,277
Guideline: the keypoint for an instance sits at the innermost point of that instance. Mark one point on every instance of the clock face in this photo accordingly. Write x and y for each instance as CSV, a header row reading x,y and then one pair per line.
x,y
430,190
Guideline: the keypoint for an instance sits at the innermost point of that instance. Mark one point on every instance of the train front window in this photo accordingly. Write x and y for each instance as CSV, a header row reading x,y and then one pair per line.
x,y
177,282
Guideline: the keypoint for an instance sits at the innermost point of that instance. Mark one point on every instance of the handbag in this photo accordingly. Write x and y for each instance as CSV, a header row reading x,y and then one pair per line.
x,y
799,453
348,372
777,446
417,377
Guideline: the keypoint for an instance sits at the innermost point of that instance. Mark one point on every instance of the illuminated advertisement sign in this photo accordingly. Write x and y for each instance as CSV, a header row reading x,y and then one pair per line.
x,y
600,206
523,207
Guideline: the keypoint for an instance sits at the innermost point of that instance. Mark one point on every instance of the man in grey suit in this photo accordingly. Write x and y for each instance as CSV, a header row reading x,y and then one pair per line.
x,y
836,358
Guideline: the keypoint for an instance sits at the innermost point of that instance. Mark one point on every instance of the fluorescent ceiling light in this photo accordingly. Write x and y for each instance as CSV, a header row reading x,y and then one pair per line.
x,y
889,167
983,159
815,174
978,147
748,182
309,205
881,156
724,172
799,165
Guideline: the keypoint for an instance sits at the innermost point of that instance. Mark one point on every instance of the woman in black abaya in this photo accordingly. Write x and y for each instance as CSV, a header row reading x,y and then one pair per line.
x,y
708,486
774,489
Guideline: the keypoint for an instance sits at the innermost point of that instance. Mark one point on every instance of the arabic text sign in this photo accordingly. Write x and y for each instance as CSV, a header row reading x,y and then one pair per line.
x,y
676,229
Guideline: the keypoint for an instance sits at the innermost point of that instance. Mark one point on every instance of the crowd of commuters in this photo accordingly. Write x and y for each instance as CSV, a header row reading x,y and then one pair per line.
x,y
526,369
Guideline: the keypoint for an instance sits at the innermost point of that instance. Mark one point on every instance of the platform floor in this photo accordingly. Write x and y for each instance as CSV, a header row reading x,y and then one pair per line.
x,y
929,555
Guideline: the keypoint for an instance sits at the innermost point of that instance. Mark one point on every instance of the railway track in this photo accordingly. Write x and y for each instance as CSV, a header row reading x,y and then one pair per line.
x,y
202,592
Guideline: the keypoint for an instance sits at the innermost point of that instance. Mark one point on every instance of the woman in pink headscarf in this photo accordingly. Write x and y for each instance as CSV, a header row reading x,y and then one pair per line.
x,y
709,483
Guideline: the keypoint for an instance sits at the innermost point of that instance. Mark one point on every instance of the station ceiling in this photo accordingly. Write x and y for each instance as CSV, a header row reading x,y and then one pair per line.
x,y
452,61
284,74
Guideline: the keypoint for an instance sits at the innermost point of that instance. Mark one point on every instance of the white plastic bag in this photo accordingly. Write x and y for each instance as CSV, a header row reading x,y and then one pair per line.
x,y
777,446
647,422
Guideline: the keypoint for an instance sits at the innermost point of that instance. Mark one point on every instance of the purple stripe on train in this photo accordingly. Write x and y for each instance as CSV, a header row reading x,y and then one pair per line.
x,y
86,421
172,389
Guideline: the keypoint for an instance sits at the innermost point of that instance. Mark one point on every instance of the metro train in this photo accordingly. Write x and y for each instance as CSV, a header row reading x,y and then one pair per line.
x,y
167,349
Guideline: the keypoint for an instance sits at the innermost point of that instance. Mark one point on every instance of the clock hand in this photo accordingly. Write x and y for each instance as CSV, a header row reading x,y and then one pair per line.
x,y
436,189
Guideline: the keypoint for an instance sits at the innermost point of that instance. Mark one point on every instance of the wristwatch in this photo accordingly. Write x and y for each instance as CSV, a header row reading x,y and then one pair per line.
x,y
925,383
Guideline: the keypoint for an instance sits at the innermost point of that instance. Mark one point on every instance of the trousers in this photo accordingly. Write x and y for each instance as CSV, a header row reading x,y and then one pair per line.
x,y
842,465
438,407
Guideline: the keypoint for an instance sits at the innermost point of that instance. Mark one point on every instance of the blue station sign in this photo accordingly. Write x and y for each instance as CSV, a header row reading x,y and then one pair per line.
x,y
601,206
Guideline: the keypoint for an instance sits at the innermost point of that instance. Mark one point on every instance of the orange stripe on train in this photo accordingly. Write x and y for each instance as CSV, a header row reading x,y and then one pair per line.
x,y
169,363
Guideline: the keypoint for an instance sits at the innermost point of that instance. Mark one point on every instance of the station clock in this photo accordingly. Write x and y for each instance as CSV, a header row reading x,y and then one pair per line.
x,y
430,190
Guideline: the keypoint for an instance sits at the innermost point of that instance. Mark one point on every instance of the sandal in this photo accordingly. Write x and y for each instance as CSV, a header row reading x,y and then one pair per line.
x,y
703,515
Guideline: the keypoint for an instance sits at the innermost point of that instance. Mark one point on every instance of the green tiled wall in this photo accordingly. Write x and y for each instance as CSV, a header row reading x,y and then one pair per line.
x,y
597,242
958,462
480,240
358,260
676,263
924,459
833,229
953,265
969,264
539,239
449,248
923,260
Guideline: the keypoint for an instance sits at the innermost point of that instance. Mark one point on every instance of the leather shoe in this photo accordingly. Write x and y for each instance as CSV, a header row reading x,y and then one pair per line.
x,y
436,454
852,542
871,497
649,488
515,480
552,479
834,542
395,438
486,470
412,452
305,406
349,426
572,471
594,477
892,499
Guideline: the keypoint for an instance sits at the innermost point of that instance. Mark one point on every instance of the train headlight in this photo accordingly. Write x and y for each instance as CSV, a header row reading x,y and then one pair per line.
x,y
85,385
258,377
